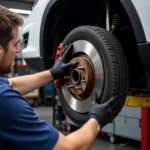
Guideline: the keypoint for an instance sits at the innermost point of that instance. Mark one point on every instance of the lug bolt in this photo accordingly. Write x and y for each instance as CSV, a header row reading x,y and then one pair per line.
x,y
78,88
83,81
70,86
81,68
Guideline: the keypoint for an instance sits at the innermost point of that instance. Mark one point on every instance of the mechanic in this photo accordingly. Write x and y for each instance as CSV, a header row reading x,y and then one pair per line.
x,y
20,127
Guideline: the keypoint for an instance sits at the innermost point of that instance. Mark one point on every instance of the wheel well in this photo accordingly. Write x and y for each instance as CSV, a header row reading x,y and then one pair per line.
x,y
67,15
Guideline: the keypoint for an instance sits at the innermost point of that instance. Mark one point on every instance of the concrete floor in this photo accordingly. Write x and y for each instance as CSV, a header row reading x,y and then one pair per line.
x,y
45,113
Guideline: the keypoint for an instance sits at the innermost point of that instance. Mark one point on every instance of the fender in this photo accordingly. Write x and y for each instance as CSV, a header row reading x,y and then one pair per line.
x,y
142,44
135,20
47,11
50,24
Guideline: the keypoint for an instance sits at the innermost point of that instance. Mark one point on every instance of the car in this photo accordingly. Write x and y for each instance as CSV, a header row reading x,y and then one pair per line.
x,y
111,43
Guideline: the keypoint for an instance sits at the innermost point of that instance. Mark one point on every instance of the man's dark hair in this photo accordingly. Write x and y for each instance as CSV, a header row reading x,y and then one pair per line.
x,y
8,21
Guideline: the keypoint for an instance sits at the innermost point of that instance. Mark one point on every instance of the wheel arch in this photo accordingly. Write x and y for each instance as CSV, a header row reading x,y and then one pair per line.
x,y
57,23
135,20
53,23
48,29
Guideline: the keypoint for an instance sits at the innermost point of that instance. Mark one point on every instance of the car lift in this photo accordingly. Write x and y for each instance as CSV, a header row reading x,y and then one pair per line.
x,y
144,102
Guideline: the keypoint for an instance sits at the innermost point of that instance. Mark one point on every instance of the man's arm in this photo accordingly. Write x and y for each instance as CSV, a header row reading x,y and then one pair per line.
x,y
28,83
82,139
22,126
100,115
34,133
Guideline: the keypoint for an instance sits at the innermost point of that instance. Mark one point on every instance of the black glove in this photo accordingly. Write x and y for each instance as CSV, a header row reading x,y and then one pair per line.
x,y
106,112
61,66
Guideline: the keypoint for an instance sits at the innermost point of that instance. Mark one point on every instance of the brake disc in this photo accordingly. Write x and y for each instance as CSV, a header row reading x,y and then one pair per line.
x,y
87,77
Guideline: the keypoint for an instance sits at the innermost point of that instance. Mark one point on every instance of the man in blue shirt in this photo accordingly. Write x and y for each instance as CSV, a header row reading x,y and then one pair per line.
x,y
20,127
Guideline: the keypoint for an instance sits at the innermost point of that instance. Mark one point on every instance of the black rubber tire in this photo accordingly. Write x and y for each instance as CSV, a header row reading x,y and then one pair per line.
x,y
114,64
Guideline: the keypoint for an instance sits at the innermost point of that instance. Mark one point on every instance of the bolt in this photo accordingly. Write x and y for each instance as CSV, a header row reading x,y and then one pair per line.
x,y
70,86
67,77
78,88
81,68
83,81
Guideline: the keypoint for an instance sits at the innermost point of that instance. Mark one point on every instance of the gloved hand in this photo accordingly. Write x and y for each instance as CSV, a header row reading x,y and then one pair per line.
x,y
61,66
106,112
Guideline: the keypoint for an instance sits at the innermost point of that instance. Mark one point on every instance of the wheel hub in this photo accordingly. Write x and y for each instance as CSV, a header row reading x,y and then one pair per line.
x,y
80,81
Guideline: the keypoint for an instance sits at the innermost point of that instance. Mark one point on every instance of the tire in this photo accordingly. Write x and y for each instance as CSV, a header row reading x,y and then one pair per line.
x,y
114,66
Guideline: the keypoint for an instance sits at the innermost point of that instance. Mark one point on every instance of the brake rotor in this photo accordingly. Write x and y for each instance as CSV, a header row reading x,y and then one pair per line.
x,y
79,99
80,81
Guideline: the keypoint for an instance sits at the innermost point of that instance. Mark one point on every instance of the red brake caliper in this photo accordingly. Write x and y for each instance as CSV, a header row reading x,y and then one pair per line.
x,y
57,82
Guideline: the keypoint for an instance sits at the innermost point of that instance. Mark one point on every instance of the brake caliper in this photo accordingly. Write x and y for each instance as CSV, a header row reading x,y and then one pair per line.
x,y
57,82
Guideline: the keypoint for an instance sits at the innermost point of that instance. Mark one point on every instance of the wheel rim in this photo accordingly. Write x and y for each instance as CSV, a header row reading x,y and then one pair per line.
x,y
85,79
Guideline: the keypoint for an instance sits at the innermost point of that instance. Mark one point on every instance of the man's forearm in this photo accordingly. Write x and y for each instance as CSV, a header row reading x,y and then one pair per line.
x,y
28,83
85,137
82,139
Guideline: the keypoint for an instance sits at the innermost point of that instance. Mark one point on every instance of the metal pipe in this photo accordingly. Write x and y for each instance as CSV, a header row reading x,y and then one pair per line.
x,y
107,16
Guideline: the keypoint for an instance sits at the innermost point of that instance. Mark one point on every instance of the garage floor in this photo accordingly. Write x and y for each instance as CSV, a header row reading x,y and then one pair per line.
x,y
45,113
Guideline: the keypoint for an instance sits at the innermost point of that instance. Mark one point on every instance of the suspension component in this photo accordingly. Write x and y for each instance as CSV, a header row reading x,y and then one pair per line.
x,y
116,19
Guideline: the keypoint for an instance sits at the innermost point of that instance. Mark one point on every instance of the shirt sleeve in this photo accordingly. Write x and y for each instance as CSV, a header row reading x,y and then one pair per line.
x,y
21,127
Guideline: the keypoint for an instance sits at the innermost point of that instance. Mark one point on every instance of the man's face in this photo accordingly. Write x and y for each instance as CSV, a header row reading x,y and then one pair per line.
x,y
7,56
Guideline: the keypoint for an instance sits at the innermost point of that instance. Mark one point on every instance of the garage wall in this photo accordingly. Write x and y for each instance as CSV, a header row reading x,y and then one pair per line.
x,y
18,4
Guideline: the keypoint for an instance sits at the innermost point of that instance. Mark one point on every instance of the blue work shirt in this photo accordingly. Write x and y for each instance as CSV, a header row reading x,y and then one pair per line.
x,y
20,127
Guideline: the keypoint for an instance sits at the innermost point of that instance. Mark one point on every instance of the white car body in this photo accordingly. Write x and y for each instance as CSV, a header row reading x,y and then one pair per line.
x,y
143,10
33,24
